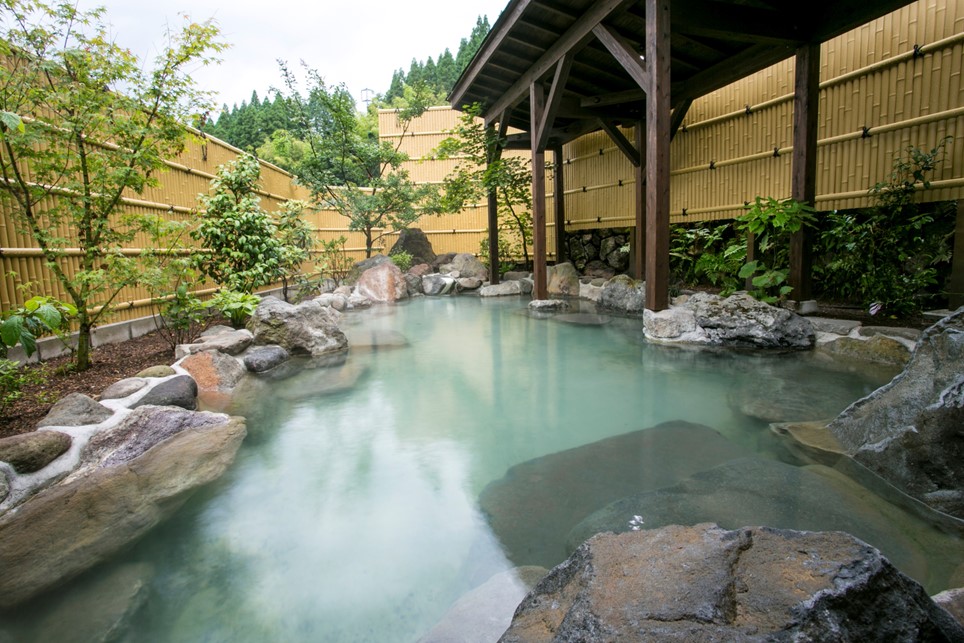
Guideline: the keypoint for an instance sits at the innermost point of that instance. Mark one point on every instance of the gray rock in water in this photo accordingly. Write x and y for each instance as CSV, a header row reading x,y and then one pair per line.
x,y
383,283
704,583
625,294
562,279
306,329
100,509
878,349
435,284
912,334
911,431
482,615
738,320
178,391
29,452
358,301
548,305
75,409
123,388
413,283
4,485
332,300
515,275
524,507
753,491
416,243
504,289
259,359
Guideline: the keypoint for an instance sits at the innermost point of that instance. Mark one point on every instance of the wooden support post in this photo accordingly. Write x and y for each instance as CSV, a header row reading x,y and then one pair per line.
x,y
493,216
537,102
804,180
955,298
559,204
658,125
639,193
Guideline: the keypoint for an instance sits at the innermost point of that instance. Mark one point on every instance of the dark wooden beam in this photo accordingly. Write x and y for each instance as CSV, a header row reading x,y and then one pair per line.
x,y
679,113
624,53
630,151
493,155
736,23
639,193
559,203
571,41
553,101
658,117
537,109
804,171
730,70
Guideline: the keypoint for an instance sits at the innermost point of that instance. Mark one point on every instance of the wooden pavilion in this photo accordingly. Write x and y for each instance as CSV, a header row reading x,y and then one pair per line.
x,y
558,69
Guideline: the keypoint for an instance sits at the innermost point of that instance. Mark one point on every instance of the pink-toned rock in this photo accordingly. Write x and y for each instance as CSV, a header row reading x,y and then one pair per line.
x,y
383,283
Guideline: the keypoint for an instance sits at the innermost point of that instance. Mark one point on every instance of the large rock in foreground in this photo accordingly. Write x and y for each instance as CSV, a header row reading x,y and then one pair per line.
x,y
306,329
133,477
738,320
705,583
911,431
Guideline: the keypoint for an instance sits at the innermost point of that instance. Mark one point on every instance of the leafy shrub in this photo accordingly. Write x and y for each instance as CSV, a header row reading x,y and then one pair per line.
x,y
37,317
889,257
704,252
236,306
240,247
182,317
401,259
333,260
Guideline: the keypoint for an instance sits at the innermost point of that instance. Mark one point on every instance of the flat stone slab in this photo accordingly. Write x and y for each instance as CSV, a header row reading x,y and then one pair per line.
x,y
835,326
912,334
533,507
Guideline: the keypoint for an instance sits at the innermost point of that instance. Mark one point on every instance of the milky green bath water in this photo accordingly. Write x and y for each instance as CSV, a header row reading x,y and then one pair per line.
x,y
352,512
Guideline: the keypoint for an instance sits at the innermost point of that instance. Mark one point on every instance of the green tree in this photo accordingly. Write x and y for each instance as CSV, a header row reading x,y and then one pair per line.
x,y
349,169
240,247
482,170
82,123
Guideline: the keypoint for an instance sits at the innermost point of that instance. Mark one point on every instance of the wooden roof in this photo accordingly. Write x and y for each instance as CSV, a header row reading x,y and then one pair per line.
x,y
713,43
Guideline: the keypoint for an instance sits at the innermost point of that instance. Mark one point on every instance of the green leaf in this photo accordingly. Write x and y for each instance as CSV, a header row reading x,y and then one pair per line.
x,y
12,121
748,269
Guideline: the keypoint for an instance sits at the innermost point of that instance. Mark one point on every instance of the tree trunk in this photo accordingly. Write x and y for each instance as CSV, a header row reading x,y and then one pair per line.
x,y
368,244
83,343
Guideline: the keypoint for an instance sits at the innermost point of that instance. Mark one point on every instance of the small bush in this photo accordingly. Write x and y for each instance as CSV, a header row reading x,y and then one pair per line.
x,y
401,259
236,306
12,380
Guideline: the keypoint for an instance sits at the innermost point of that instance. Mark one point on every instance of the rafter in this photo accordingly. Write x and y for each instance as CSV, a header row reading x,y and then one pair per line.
x,y
624,53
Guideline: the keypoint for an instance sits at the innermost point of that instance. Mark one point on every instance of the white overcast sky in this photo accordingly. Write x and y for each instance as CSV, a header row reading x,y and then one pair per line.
x,y
355,42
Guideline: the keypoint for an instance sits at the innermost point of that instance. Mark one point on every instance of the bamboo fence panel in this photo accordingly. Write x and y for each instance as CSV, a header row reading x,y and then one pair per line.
x,y
888,85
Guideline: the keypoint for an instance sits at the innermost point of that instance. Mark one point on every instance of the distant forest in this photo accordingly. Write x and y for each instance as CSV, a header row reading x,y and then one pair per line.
x,y
254,125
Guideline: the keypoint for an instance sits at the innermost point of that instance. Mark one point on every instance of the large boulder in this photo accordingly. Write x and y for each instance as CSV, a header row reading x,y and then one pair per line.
x,y
467,265
306,329
563,280
133,476
705,583
911,431
366,264
416,243
383,283
625,294
738,320
504,289
213,370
